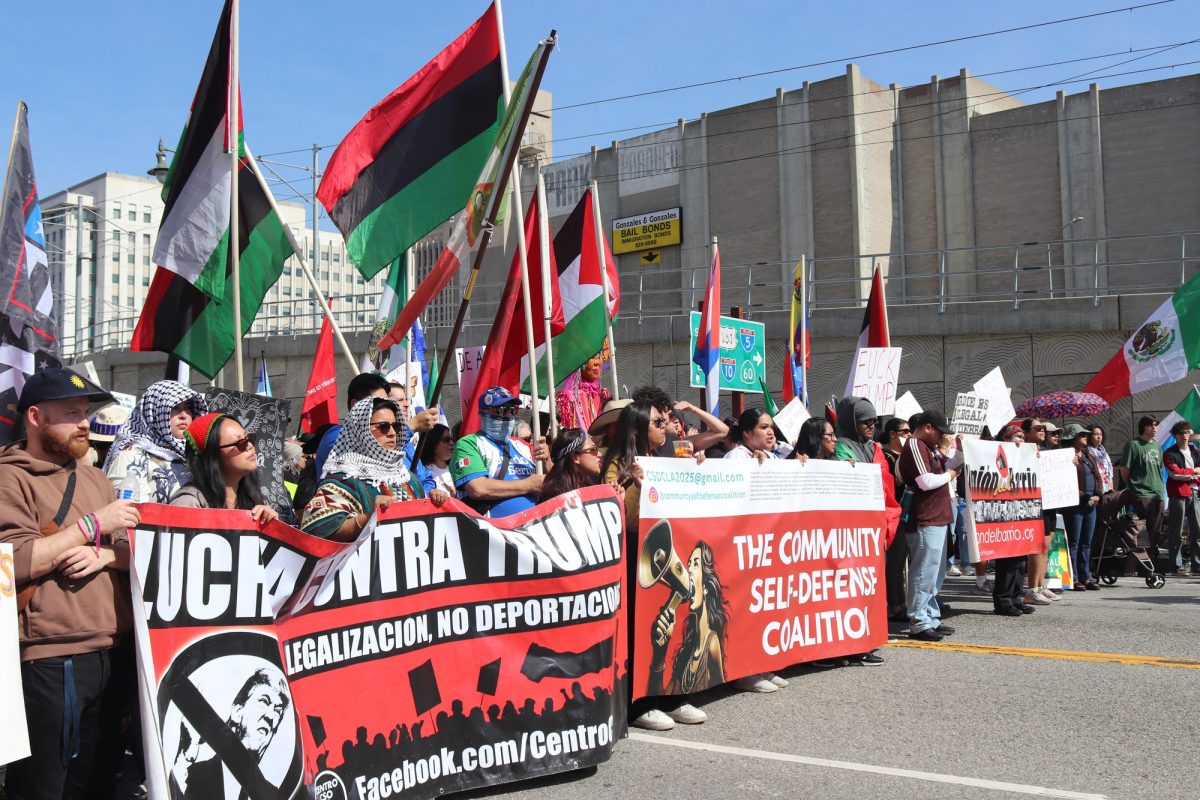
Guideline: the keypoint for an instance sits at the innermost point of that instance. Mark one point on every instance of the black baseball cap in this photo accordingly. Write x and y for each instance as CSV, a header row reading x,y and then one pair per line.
x,y
55,383
935,418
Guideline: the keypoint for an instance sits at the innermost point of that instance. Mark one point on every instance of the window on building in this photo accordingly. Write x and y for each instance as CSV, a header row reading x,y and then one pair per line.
x,y
116,278
129,280
116,299
145,261
132,238
287,291
132,215
145,240
116,211
131,259
145,213
116,237
145,280
337,258
116,255
287,270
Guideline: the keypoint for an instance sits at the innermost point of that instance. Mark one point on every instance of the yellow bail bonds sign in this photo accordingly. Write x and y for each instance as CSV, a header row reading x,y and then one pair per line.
x,y
646,231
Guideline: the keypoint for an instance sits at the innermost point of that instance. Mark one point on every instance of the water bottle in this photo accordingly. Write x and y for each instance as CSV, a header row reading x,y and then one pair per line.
x,y
131,488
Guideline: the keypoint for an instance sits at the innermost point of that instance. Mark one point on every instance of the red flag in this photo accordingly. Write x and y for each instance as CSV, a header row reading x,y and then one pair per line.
x,y
875,331
504,358
320,399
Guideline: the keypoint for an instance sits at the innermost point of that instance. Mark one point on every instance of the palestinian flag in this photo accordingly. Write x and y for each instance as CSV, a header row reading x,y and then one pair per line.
x,y
193,237
483,199
1163,350
581,287
183,321
406,166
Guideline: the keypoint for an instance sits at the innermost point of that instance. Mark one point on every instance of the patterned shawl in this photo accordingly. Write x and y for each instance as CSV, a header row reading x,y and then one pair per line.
x,y
357,454
149,426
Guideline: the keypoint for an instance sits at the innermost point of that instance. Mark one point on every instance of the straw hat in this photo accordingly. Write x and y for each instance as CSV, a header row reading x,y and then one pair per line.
x,y
612,410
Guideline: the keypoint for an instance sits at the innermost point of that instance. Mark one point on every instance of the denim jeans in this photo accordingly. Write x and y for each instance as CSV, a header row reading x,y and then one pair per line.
x,y
1081,524
926,572
961,557
1180,509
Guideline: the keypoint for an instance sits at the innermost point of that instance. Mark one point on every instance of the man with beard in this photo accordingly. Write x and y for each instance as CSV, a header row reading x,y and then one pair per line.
x,y
70,556
254,718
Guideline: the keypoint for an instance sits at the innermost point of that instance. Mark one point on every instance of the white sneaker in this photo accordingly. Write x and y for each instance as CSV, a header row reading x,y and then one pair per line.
x,y
953,571
775,679
985,589
1034,599
969,571
1046,594
687,714
755,683
654,720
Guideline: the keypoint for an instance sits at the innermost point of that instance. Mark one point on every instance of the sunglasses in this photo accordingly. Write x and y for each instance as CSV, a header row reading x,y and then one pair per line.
x,y
1039,427
904,430
386,427
590,451
447,440
828,435
243,444
659,422
504,411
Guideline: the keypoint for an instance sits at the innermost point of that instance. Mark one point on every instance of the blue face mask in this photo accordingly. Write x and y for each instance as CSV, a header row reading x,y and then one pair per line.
x,y
498,429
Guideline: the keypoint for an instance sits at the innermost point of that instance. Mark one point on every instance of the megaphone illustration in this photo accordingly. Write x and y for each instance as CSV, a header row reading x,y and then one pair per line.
x,y
659,563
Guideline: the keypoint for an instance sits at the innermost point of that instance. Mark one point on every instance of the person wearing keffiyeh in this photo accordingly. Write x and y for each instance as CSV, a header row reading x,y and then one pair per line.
x,y
366,471
150,444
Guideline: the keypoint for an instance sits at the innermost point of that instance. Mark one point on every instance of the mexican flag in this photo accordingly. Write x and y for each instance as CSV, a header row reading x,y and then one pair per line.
x,y
406,166
193,237
391,300
581,288
1163,350
1188,409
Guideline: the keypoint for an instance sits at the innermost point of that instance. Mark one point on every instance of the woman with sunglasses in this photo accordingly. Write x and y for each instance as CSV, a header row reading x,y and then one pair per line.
x,y
224,468
576,463
437,448
366,471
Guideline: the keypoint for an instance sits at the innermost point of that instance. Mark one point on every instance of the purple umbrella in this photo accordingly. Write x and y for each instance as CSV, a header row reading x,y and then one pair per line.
x,y
1057,405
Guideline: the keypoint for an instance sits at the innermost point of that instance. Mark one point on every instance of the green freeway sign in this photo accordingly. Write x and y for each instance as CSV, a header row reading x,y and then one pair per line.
x,y
743,354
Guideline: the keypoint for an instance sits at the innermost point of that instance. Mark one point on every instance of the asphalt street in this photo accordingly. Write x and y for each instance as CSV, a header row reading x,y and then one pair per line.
x,y
989,713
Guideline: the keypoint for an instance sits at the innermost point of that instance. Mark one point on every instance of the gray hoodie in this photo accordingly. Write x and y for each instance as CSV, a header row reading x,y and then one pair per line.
x,y
850,445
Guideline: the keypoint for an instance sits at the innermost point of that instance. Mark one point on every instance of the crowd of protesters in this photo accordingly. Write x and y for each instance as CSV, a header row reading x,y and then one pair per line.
x,y
69,529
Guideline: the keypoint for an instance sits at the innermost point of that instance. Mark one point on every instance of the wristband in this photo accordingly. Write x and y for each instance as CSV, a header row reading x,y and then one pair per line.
x,y
96,531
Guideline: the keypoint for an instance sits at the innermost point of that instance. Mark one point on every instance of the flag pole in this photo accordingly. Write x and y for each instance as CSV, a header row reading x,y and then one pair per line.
x,y
493,208
234,236
408,340
599,235
299,252
12,148
803,331
547,299
518,217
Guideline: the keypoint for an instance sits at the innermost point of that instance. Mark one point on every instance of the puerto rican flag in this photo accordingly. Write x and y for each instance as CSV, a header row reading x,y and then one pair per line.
x,y
707,355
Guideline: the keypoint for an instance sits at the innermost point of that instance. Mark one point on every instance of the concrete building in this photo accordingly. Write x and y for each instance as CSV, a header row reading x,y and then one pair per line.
x,y
101,269
1030,236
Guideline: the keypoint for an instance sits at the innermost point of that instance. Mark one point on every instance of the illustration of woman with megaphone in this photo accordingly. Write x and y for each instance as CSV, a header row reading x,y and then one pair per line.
x,y
699,663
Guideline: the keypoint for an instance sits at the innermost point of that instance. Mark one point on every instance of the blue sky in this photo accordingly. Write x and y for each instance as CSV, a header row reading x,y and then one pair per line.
x,y
104,81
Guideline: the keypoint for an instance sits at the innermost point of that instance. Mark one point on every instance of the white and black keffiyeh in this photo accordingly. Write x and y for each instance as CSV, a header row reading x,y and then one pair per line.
x,y
149,426
357,454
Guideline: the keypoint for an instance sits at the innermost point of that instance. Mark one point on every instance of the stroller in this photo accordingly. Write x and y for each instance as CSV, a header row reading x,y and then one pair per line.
x,y
1125,544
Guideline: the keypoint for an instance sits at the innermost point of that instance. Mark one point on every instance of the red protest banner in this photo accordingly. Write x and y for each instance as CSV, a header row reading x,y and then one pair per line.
x,y
1004,500
440,652
746,568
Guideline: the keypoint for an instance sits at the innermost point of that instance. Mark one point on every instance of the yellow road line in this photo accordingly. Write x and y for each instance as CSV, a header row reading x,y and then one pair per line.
x,y
1060,655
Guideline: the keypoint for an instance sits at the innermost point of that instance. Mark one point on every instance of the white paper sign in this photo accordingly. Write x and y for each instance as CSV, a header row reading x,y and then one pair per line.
x,y
125,401
1000,408
416,384
14,744
970,414
875,374
906,406
790,418
1059,477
